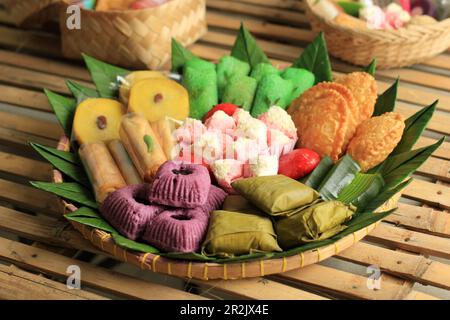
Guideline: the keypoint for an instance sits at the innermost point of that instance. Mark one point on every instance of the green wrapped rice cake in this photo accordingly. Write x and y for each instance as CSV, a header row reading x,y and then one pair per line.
x,y
234,233
302,80
228,67
272,90
238,203
240,90
263,69
319,221
200,79
275,195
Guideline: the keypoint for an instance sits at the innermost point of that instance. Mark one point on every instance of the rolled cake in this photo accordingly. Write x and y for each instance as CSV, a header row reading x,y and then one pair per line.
x,y
124,162
103,173
142,145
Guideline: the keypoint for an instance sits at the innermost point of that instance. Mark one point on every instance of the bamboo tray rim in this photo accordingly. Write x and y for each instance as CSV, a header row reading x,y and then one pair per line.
x,y
211,270
117,11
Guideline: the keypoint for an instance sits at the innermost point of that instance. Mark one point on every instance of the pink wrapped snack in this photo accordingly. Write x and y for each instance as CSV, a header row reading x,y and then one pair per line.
x,y
190,131
226,171
221,122
263,165
279,143
277,118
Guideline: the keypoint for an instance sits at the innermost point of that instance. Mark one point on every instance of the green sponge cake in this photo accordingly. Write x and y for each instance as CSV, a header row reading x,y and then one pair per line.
x,y
240,90
228,67
263,69
272,90
302,80
200,79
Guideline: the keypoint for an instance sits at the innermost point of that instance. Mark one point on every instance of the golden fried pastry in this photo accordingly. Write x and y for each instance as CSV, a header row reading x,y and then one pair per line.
x,y
364,89
316,91
322,123
375,139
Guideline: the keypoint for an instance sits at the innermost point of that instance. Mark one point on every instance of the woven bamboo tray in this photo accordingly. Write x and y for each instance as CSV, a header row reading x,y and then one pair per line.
x,y
391,48
210,271
134,38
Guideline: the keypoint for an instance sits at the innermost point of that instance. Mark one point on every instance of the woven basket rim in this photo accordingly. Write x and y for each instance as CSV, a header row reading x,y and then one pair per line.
x,y
377,32
125,11
199,270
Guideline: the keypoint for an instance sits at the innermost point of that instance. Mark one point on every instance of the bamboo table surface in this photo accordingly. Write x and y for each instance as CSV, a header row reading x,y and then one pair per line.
x,y
411,247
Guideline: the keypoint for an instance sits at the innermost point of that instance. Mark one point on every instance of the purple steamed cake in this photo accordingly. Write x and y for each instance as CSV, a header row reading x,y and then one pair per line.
x,y
181,185
177,230
215,199
128,211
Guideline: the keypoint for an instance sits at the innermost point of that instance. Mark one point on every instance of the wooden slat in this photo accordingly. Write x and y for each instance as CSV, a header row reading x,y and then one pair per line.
x,y
24,98
411,240
96,277
285,4
413,267
41,128
436,168
21,166
439,122
21,285
426,220
347,284
16,138
27,197
43,229
44,65
429,193
257,288
443,151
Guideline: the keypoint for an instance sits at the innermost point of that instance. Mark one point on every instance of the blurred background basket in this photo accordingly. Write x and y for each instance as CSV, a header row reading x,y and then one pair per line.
x,y
27,13
391,48
135,38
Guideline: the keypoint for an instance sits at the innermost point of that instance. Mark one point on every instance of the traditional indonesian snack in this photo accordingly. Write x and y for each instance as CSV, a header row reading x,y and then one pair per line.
x,y
228,67
103,173
240,90
272,90
128,211
238,203
364,89
234,233
226,171
127,82
142,145
228,108
124,162
164,130
375,139
298,163
322,123
262,165
302,80
157,98
221,122
97,120
263,69
277,118
319,221
216,197
179,230
200,79
181,185
275,194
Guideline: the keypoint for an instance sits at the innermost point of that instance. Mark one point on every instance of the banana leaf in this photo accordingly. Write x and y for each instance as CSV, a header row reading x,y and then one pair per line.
x,y
414,126
180,55
67,156
64,109
132,245
98,223
105,76
84,212
363,189
315,59
385,195
314,179
246,48
81,92
73,171
68,190
341,175
386,101
371,68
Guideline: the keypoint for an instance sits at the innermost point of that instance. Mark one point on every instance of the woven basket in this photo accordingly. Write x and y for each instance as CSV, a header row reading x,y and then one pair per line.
x,y
391,48
210,271
135,38
27,13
